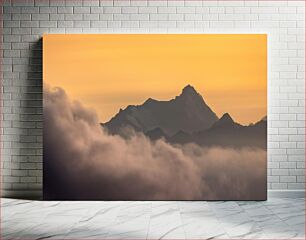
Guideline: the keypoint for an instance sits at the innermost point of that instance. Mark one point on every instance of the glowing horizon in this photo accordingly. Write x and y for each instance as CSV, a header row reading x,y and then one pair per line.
x,y
111,71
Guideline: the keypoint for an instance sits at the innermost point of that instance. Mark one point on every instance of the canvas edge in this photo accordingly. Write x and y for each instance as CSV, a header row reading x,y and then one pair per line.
x,y
38,194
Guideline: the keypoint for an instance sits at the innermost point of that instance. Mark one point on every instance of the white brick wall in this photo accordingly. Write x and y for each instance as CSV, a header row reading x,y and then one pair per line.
x,y
24,22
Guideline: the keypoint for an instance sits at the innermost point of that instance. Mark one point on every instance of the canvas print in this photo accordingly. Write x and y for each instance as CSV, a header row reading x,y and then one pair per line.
x,y
155,117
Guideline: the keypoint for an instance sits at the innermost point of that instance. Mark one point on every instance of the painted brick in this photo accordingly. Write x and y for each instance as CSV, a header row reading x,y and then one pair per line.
x,y
197,3
96,10
287,165
279,186
48,10
46,24
81,9
98,24
130,24
91,3
81,24
26,3
129,10
166,10
73,16
106,3
141,17
62,10
288,179
186,9
59,3
91,16
202,10
138,3
147,9
40,17
161,17
296,186
149,24
111,10
42,2
176,17
57,17
157,3
221,24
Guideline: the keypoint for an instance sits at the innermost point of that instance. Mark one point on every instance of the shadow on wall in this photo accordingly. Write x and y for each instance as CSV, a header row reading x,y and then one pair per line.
x,y
30,125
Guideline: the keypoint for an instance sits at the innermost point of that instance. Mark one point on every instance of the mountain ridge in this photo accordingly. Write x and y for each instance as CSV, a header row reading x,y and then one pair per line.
x,y
187,111
188,119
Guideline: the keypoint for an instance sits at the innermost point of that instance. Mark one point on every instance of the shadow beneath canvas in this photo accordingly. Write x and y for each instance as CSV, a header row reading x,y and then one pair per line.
x,y
29,127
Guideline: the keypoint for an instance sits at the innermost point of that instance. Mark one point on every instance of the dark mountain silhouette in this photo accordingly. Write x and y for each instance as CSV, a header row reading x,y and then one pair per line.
x,y
188,112
225,121
187,119
227,133
156,133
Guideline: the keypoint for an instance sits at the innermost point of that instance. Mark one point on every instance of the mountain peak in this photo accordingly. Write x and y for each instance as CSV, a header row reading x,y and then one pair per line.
x,y
189,90
187,112
149,101
226,118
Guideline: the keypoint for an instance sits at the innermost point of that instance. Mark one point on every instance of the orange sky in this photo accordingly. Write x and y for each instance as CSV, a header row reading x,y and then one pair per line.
x,y
110,71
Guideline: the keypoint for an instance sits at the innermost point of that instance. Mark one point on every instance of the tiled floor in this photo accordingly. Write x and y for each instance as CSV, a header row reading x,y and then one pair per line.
x,y
274,219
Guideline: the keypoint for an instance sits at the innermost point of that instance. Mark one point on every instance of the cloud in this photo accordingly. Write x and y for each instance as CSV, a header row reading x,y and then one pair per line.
x,y
82,161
